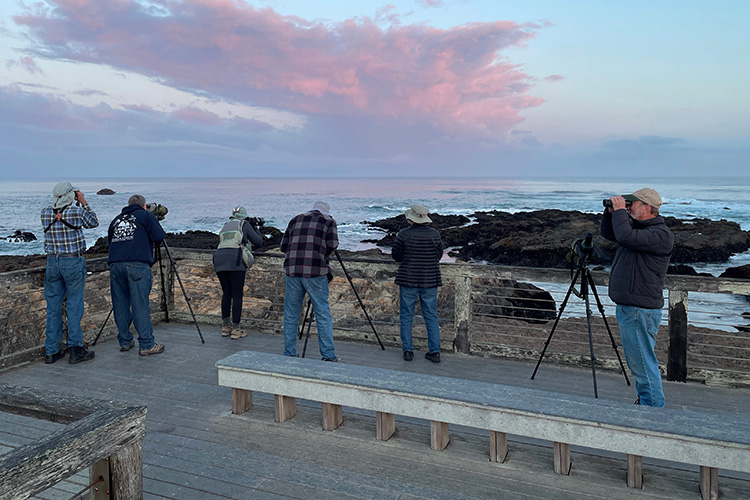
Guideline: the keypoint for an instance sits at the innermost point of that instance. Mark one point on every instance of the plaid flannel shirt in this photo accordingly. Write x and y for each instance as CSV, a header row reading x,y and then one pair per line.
x,y
308,241
62,239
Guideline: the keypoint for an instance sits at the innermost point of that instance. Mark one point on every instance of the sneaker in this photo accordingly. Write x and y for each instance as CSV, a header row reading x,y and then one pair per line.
x,y
51,358
126,348
226,330
408,355
156,349
432,356
238,333
332,360
78,354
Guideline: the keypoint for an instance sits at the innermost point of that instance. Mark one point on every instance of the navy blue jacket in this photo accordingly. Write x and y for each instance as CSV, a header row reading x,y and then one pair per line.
x,y
132,235
641,260
418,250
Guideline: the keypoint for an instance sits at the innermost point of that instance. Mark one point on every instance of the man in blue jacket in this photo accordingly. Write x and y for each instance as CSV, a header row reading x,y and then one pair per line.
x,y
636,284
131,238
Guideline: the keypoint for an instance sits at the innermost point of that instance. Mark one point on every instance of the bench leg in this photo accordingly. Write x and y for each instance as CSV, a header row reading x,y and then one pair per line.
x,y
498,446
285,407
635,471
439,436
709,483
385,425
562,458
242,401
332,416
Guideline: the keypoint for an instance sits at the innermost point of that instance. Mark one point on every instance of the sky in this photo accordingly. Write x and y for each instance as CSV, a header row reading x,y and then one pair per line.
x,y
274,88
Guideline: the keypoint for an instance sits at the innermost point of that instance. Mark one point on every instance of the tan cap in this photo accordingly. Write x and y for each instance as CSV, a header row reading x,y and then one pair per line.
x,y
418,214
646,195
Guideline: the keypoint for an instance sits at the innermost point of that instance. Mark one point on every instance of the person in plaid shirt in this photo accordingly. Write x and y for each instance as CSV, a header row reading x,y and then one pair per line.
x,y
64,243
309,240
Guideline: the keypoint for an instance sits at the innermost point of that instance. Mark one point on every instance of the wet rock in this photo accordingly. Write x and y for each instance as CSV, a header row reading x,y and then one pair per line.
x,y
105,191
740,272
501,298
684,270
20,237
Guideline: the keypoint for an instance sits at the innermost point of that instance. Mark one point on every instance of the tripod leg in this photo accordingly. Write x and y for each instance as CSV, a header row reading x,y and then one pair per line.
x,y
103,325
182,287
609,331
585,292
557,320
304,319
356,294
163,293
307,336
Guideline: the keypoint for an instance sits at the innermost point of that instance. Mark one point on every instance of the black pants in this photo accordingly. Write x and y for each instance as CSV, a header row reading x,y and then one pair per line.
x,y
232,283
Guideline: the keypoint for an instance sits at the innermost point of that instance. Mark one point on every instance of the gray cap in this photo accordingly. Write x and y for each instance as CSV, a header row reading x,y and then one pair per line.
x,y
322,207
63,195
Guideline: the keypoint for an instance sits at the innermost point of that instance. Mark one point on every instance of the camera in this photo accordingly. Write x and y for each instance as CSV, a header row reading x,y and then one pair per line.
x,y
256,221
158,210
608,203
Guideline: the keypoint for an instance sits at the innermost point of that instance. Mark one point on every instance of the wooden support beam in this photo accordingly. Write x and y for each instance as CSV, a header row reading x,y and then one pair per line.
x,y
332,416
127,472
498,446
242,401
709,483
385,424
635,471
439,435
562,458
285,407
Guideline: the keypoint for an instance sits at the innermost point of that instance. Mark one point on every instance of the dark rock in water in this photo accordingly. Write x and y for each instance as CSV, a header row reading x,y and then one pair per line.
x,y
684,270
543,238
105,191
740,272
20,237
393,225
512,299
744,328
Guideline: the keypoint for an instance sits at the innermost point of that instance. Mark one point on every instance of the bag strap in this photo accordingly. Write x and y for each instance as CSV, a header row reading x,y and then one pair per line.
x,y
58,218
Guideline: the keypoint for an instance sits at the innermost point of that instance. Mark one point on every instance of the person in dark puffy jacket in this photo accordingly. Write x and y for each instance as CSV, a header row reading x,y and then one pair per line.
x,y
418,250
230,269
636,284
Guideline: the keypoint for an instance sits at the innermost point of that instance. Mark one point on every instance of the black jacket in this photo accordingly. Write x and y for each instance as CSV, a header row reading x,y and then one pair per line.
x,y
641,260
418,249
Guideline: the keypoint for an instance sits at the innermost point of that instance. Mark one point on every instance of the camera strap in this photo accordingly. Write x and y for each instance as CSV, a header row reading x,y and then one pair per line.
x,y
58,218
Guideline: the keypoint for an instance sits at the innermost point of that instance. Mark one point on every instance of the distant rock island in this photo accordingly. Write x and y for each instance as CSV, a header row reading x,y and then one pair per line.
x,y
105,191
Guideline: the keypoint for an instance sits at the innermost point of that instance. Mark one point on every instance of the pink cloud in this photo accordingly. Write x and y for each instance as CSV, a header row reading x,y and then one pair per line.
x,y
197,116
450,78
554,78
26,63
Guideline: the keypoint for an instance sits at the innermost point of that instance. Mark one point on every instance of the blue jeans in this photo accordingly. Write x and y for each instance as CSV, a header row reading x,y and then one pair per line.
x,y
130,286
64,275
638,329
428,301
317,290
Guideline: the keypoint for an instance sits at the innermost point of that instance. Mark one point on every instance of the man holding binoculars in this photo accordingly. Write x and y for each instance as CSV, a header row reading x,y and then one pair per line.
x,y
644,245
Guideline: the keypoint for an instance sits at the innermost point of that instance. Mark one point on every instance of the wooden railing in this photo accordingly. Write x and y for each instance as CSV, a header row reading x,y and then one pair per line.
x,y
104,436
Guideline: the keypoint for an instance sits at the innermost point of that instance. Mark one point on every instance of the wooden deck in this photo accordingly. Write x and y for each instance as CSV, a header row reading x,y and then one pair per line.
x,y
196,449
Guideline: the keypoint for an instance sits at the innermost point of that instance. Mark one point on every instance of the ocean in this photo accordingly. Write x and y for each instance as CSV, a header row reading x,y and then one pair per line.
x,y
205,203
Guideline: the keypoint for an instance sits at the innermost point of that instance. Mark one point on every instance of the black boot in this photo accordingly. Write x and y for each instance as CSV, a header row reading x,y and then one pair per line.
x,y
78,354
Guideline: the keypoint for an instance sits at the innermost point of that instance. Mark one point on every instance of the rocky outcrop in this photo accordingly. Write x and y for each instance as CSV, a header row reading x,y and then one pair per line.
x,y
105,191
543,238
20,237
740,272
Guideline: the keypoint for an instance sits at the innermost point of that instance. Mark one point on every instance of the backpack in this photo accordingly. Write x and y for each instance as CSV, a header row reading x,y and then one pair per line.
x,y
231,236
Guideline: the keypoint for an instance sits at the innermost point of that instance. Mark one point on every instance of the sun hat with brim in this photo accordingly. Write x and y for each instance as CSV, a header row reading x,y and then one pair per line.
x,y
239,213
63,194
322,207
646,195
418,214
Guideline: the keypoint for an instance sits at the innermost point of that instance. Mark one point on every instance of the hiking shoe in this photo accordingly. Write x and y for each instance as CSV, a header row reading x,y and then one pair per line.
x,y
226,330
156,349
238,332
126,348
78,354
408,355
51,358
332,360
432,356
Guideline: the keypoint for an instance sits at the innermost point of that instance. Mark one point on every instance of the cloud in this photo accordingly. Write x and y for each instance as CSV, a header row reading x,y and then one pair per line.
x,y
554,78
452,79
430,3
26,63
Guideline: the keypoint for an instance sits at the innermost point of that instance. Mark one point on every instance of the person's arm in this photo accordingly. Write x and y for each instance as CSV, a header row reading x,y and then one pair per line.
x,y
252,234
332,238
397,251
284,245
640,239
154,230
88,216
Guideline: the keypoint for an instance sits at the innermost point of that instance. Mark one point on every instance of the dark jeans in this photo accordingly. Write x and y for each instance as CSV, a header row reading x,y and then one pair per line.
x,y
130,286
232,284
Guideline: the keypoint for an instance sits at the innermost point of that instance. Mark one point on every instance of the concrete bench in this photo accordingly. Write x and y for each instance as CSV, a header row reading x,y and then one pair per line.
x,y
710,441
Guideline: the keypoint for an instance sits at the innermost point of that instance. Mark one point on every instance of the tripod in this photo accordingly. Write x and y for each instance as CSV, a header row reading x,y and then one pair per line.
x,y
586,282
161,272
309,315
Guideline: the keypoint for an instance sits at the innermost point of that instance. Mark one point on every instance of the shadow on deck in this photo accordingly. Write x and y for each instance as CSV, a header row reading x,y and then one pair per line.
x,y
196,449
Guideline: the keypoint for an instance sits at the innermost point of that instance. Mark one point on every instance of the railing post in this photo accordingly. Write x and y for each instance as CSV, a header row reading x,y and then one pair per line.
x,y
462,313
677,356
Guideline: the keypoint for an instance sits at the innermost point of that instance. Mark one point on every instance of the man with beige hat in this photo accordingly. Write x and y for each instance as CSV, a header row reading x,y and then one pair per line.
x,y
418,250
636,284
